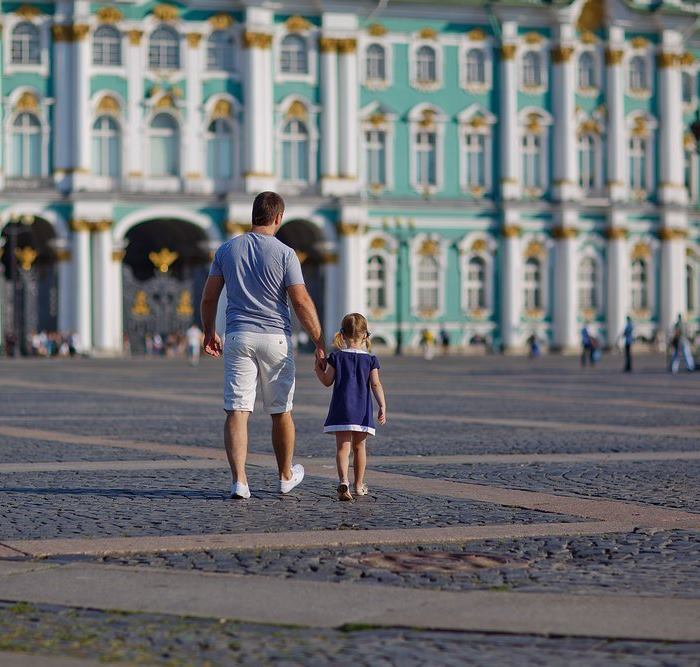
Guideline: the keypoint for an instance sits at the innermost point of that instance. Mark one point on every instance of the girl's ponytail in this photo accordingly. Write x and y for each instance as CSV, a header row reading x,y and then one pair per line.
x,y
338,340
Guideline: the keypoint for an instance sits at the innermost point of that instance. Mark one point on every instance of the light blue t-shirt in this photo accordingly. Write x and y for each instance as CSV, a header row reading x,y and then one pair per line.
x,y
257,270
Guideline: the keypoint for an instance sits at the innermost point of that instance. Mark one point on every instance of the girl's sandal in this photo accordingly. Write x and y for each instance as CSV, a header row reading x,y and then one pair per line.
x,y
361,490
344,492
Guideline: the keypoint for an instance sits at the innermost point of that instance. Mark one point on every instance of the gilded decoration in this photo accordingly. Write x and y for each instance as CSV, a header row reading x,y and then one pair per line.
x,y
135,37
639,43
641,250
349,228
533,123
193,39
327,45
140,305
478,122
297,110
592,16
614,56
664,60
26,257
257,40
534,249
533,38
640,128
476,35
534,313
479,245
508,51
165,12
427,118
109,14
62,255
221,21
163,259
108,104
589,126
167,101
377,243
616,233
377,30
27,102
687,59
222,109
28,12
79,225
236,227
562,233
348,45
70,32
673,234
428,314
184,304
328,258
297,24
562,54
477,191
689,142
100,225
511,231
429,248
588,37
301,256
428,33
377,119
118,255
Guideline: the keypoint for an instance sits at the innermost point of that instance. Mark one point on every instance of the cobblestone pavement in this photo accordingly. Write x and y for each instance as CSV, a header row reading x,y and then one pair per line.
x,y
667,483
452,406
181,642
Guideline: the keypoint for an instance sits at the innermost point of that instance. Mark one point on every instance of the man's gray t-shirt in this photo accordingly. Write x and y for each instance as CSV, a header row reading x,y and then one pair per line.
x,y
257,270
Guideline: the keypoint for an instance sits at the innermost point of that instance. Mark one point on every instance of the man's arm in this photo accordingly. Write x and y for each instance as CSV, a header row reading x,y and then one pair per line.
x,y
308,317
210,302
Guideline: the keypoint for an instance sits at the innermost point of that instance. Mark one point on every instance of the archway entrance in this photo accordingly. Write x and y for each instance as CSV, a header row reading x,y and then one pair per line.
x,y
28,282
164,270
307,241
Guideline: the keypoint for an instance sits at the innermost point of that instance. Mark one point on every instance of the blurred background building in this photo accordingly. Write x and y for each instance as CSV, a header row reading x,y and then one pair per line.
x,y
495,168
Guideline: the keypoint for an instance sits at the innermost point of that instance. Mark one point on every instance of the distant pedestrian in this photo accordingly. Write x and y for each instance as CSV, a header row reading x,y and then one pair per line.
x,y
194,344
445,341
427,341
680,347
628,338
534,345
354,373
587,347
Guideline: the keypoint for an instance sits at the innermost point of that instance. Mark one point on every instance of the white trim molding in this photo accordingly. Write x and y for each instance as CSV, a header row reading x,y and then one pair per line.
x,y
375,116
377,84
476,39
309,35
642,125
415,46
535,122
482,246
223,106
300,108
476,119
533,42
426,117
434,246
384,246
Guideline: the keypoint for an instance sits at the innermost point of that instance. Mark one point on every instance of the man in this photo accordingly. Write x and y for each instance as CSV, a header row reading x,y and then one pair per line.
x,y
628,336
586,347
681,347
260,273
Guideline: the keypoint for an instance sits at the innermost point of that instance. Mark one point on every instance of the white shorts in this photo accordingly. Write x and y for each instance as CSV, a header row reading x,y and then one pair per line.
x,y
249,357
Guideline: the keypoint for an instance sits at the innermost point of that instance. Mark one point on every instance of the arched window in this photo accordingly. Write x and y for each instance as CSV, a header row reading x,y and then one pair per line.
x,y
690,288
375,63
532,284
639,283
532,69
426,158
475,284
164,146
688,87
586,71
375,157
107,46
428,283
26,146
25,46
220,150
295,152
376,283
474,159
588,284
293,56
164,49
106,150
587,162
426,64
638,73
532,157
475,71
638,163
221,51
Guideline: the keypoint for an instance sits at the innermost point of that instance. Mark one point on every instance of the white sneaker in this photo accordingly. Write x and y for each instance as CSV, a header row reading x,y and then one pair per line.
x,y
286,485
239,490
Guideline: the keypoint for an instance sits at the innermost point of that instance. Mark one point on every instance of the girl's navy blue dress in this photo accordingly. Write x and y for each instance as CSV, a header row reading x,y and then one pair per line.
x,y
351,404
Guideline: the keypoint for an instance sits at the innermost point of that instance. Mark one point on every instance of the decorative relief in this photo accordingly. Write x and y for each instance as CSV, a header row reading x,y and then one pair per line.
x,y
429,248
511,231
535,249
62,255
592,15
614,56
589,126
348,45
257,40
28,12
297,110
427,119
588,37
377,30
665,60
327,45
562,54
118,255
108,104
184,304
534,124
533,38
377,119
193,39
109,14
616,233
165,12
69,32
428,33
689,142
508,51
163,259
378,243
476,35
673,234
562,233
640,128
297,24
26,257
222,109
135,37
639,43
641,250
349,228
479,245
140,305
27,102
221,21
687,59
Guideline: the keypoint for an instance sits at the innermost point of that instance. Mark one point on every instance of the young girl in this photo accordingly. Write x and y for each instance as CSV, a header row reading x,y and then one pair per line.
x,y
352,371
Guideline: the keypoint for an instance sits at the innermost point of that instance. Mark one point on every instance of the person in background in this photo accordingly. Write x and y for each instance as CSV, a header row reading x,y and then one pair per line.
x,y
628,339
587,347
680,346
445,340
427,341
194,344
534,345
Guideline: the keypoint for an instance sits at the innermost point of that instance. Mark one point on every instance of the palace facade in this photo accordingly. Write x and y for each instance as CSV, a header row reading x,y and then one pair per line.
x,y
497,169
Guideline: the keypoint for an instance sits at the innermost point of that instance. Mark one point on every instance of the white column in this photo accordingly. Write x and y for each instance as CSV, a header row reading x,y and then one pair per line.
x,y
673,259
65,288
134,154
193,144
510,165
102,289
330,285
564,104
258,113
351,268
82,286
80,108
117,298
329,113
348,111
565,292
511,286
618,278
671,165
617,132
63,103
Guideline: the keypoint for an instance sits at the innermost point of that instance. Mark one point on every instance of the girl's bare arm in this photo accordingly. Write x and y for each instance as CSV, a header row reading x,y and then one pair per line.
x,y
325,376
376,385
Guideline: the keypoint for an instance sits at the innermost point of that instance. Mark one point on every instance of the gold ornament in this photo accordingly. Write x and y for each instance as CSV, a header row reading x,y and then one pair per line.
x,y
222,109
479,245
140,306
508,51
28,12
235,228
165,12
476,35
108,104
427,119
376,30
257,40
27,102
511,231
639,43
135,37
193,39
614,56
429,248
162,260
297,110
640,129
534,249
109,14
297,24
184,305
588,37
673,234
641,250
562,233
591,16
377,119
428,33
562,54
349,228
26,256
221,21
616,233
533,124
327,45
118,255
687,59
347,45
533,38
377,243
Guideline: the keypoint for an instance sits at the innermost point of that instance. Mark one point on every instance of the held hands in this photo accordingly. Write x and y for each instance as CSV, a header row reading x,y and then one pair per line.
x,y
381,415
212,344
321,361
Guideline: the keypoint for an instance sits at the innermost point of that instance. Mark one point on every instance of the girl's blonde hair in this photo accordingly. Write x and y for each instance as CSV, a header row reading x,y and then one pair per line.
x,y
353,327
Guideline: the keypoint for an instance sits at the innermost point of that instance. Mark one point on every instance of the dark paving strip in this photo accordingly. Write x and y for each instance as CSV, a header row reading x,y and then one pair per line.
x,y
671,484
14,450
665,563
181,642
174,502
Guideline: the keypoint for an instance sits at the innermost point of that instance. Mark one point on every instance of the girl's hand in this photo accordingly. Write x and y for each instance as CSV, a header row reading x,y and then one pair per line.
x,y
381,416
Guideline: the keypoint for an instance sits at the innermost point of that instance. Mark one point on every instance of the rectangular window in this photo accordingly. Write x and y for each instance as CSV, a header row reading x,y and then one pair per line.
x,y
375,153
475,160
426,162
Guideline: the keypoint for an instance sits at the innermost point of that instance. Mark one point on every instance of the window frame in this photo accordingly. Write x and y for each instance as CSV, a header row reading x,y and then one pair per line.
x,y
164,28
118,38
178,146
467,45
650,184
414,48
118,133
537,287
231,38
310,76
594,88
41,135
475,119
440,257
417,124
595,286
644,56
41,23
645,287
544,122
384,246
212,136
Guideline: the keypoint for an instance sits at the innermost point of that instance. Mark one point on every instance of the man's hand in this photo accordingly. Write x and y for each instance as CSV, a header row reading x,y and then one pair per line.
x,y
321,360
381,415
212,344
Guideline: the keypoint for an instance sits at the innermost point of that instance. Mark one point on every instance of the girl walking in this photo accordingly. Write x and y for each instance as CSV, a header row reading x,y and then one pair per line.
x,y
354,373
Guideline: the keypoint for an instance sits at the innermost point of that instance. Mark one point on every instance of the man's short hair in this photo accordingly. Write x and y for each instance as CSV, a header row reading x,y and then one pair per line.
x,y
266,207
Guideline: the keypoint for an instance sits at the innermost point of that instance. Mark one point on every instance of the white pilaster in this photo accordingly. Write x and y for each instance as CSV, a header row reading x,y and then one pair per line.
x,y
671,165
117,298
511,286
63,103
193,144
673,259
82,284
565,292
617,277
330,285
329,113
102,289
563,91
65,288
510,164
348,110
134,156
617,132
352,272
80,109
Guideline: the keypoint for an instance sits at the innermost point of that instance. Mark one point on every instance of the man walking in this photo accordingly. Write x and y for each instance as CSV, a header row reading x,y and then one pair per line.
x,y
628,336
260,274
